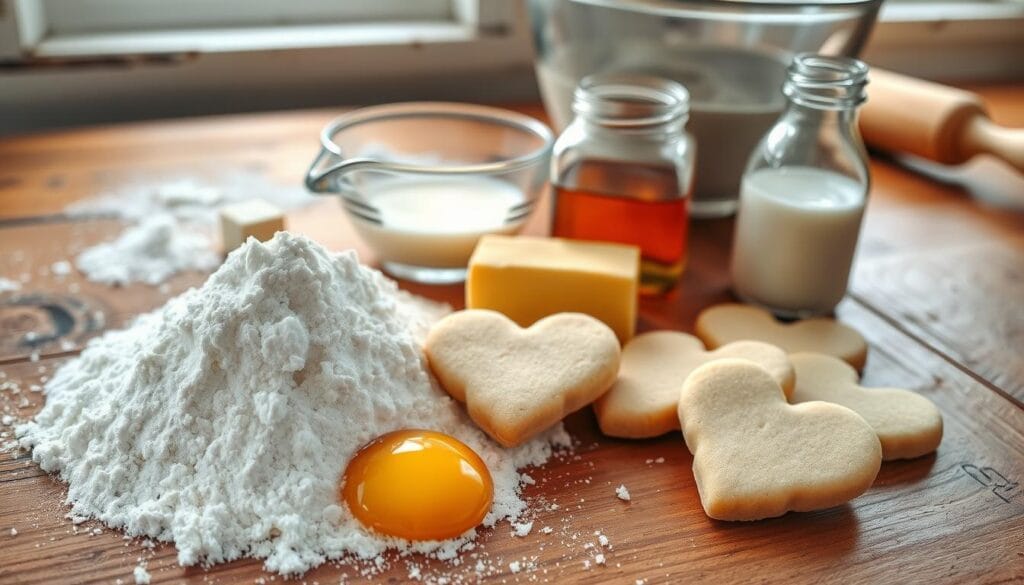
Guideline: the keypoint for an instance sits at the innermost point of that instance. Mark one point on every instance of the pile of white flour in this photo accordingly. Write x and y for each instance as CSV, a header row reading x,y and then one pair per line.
x,y
224,420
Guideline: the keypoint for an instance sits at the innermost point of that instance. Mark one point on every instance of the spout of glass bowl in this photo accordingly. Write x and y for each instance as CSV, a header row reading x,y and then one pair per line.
x,y
323,176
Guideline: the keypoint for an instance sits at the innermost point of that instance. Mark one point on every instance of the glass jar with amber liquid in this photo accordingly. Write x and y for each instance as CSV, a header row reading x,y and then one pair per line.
x,y
622,171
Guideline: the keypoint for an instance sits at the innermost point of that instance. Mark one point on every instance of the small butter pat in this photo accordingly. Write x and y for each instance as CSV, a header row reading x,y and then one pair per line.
x,y
254,217
528,279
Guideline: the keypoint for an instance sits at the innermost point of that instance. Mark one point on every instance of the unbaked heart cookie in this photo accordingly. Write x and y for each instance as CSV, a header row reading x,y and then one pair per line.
x,y
730,322
908,424
643,401
518,382
755,456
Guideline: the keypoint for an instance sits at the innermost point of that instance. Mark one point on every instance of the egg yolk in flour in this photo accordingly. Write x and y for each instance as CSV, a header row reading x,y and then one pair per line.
x,y
418,485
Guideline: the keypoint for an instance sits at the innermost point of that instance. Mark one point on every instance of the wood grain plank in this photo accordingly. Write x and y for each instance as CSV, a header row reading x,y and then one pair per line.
x,y
55,313
42,173
968,302
49,189
909,212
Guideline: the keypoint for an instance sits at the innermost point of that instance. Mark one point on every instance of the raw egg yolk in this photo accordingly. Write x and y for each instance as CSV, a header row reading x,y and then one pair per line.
x,y
418,485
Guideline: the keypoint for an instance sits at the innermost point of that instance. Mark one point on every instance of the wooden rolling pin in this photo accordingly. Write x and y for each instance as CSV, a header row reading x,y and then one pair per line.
x,y
934,121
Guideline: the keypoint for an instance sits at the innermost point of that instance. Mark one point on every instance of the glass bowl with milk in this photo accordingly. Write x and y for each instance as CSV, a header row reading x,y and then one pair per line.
x,y
422,182
731,55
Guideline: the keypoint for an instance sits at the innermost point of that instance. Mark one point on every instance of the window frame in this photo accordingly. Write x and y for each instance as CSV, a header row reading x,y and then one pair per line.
x,y
28,35
76,17
950,41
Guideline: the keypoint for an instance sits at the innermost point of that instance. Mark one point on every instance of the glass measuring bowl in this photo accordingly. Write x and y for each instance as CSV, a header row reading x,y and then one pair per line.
x,y
422,182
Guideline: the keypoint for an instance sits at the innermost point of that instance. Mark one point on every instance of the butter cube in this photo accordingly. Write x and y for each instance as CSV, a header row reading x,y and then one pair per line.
x,y
254,217
528,279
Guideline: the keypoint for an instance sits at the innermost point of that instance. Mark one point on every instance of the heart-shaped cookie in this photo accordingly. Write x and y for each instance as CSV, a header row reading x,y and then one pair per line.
x,y
518,382
908,424
756,456
643,401
730,322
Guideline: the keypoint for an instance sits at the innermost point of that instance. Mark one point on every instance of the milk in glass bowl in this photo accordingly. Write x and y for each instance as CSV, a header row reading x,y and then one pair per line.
x,y
422,182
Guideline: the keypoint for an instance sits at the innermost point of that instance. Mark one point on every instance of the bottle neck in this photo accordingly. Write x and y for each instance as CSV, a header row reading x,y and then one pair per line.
x,y
824,94
631,106
841,119
817,82
819,126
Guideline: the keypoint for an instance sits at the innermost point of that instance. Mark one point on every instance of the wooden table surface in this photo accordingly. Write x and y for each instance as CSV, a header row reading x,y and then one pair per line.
x,y
938,291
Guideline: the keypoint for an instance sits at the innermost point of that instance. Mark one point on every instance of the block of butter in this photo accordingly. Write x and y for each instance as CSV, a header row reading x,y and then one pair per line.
x,y
254,217
530,278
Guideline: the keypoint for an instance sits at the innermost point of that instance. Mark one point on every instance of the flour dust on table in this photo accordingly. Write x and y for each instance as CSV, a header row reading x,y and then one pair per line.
x,y
224,420
150,252
172,224
190,198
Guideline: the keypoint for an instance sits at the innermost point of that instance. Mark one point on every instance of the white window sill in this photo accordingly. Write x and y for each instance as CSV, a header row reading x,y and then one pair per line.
x,y
950,41
120,44
949,11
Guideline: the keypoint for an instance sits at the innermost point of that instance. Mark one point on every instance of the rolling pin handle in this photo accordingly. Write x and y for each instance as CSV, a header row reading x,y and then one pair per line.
x,y
982,136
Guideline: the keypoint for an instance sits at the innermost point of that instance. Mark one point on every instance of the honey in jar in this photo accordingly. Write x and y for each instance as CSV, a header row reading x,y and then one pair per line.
x,y
623,170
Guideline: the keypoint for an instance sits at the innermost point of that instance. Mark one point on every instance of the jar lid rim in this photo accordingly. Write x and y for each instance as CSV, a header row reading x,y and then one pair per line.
x,y
627,99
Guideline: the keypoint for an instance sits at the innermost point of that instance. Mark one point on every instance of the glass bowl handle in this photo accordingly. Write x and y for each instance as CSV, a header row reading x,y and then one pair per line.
x,y
320,178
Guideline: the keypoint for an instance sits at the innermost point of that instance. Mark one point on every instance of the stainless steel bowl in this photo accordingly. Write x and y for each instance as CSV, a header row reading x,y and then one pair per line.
x,y
730,54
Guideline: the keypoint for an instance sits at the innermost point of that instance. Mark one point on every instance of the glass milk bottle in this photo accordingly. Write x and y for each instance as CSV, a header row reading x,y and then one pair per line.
x,y
622,171
803,193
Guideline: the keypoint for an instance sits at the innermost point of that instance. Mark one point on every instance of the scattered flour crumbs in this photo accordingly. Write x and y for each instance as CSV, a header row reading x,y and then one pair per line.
x,y
224,420
173,225
149,252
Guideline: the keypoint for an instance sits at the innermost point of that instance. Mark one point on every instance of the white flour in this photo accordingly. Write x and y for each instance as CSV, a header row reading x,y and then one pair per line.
x,y
175,221
223,421
189,199
149,252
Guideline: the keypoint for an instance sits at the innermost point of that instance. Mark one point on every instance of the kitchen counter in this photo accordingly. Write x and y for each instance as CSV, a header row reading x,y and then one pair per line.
x,y
938,291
